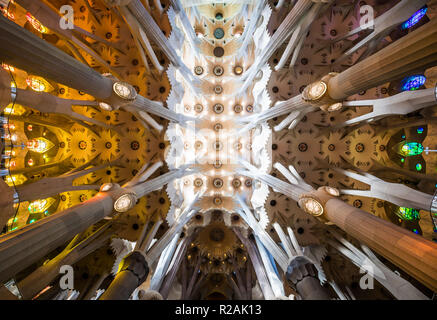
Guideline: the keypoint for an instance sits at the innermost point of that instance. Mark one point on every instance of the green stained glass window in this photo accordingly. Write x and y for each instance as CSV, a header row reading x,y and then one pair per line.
x,y
408,149
408,214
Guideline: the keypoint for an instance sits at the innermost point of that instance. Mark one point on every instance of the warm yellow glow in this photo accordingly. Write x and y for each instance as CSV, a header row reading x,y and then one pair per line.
x,y
16,110
35,23
8,67
15,179
38,84
41,205
10,15
40,145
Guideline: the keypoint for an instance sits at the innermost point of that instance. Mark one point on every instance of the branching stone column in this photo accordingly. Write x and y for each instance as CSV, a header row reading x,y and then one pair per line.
x,y
186,24
42,189
135,268
257,266
155,33
400,104
416,51
48,187
412,253
249,30
44,275
52,20
382,25
23,247
156,108
282,33
396,193
295,106
21,48
43,102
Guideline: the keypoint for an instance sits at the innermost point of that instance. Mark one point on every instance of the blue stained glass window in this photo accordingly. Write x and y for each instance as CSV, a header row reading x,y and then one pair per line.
x,y
413,83
419,130
415,18
418,167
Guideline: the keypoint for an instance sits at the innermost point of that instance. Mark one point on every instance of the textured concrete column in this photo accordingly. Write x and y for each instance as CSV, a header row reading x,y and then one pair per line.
x,y
410,252
133,272
21,248
415,52
414,254
22,49
30,286
40,189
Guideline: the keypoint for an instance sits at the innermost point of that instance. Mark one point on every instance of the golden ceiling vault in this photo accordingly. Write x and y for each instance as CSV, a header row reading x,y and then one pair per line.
x,y
232,149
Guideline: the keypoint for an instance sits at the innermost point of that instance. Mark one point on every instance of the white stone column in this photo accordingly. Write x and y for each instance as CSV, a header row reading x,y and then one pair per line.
x,y
157,108
186,25
250,28
284,31
154,32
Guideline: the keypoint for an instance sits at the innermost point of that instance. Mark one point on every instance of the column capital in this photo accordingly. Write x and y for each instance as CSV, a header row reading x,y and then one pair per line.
x,y
124,199
314,202
317,94
123,93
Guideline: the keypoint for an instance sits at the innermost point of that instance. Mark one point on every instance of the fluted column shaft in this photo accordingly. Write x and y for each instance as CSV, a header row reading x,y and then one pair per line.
x,y
24,50
23,247
415,52
156,108
414,254
283,107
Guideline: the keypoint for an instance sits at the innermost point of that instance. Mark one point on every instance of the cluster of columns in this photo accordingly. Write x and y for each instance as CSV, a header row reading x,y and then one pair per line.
x,y
135,267
21,248
414,254
21,49
284,31
415,52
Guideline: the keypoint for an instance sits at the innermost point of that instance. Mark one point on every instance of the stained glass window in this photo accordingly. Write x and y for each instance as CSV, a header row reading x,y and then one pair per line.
x,y
415,18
